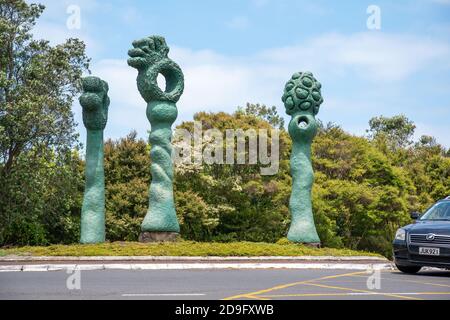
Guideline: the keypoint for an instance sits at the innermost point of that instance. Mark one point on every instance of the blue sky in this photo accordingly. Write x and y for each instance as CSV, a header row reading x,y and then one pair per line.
x,y
233,52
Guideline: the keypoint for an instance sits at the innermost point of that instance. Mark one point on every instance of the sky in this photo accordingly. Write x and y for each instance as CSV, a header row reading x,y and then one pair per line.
x,y
233,52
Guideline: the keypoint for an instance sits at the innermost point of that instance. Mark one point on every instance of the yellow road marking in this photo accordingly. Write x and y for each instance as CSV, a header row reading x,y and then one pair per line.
x,y
436,284
358,290
338,276
279,287
347,294
256,297
303,295
412,281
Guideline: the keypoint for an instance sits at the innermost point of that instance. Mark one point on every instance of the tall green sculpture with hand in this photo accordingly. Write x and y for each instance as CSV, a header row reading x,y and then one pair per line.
x,y
95,102
302,99
149,57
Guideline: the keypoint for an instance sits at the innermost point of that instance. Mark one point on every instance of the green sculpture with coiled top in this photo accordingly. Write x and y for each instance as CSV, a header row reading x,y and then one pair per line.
x,y
149,57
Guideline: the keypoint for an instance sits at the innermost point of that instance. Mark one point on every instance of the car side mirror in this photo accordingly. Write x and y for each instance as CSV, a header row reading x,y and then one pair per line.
x,y
415,215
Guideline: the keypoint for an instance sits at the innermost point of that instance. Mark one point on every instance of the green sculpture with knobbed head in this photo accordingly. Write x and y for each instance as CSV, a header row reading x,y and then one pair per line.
x,y
302,98
95,102
149,57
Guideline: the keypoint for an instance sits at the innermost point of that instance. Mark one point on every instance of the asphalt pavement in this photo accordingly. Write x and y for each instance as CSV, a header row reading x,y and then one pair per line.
x,y
256,284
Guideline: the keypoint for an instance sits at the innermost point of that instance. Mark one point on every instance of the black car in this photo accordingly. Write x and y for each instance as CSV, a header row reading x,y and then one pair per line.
x,y
426,242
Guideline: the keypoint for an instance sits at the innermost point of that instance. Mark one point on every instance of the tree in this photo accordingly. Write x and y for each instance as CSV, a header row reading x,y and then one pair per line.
x,y
268,114
38,83
397,130
359,197
429,168
127,178
234,201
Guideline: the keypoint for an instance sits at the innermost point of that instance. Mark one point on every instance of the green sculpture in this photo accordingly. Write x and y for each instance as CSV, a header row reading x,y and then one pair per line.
x,y
95,102
302,99
149,57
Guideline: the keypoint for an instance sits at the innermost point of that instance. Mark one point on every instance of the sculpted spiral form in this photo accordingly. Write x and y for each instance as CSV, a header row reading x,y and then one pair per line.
x,y
149,57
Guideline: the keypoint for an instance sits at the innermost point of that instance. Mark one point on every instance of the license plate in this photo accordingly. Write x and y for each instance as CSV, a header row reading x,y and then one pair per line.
x,y
429,251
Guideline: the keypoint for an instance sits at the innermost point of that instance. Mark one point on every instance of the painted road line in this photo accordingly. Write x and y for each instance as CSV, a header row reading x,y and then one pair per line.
x,y
351,294
288,285
358,290
411,281
256,297
162,294
398,293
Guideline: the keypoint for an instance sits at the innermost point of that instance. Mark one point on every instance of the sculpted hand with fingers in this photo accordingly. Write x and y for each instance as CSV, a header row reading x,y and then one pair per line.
x,y
95,103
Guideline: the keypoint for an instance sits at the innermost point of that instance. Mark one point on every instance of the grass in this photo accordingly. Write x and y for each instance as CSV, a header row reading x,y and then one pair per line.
x,y
181,248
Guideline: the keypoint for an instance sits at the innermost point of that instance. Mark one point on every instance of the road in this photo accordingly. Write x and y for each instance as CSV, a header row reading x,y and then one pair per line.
x,y
225,284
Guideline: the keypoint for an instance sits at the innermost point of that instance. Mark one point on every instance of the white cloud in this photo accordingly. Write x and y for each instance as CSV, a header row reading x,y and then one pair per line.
x,y
52,25
127,109
371,55
216,82
212,81
58,33
219,82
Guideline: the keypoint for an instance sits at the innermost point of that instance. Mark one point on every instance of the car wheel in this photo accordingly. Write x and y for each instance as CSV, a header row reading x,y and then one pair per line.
x,y
408,269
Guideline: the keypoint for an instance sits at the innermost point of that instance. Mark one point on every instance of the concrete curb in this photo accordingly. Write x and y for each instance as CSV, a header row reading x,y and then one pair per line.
x,y
192,266
15,258
55,263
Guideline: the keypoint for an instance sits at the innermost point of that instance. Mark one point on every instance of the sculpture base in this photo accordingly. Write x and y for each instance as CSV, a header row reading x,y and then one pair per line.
x,y
311,244
154,236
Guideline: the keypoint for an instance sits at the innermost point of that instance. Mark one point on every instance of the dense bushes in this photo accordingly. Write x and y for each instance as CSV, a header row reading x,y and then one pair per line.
x,y
127,178
365,186
363,191
40,200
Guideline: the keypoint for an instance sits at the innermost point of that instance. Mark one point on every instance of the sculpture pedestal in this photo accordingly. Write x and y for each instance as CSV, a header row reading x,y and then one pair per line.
x,y
158,236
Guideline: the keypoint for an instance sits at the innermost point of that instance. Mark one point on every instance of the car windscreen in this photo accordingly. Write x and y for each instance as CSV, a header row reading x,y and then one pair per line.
x,y
440,211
